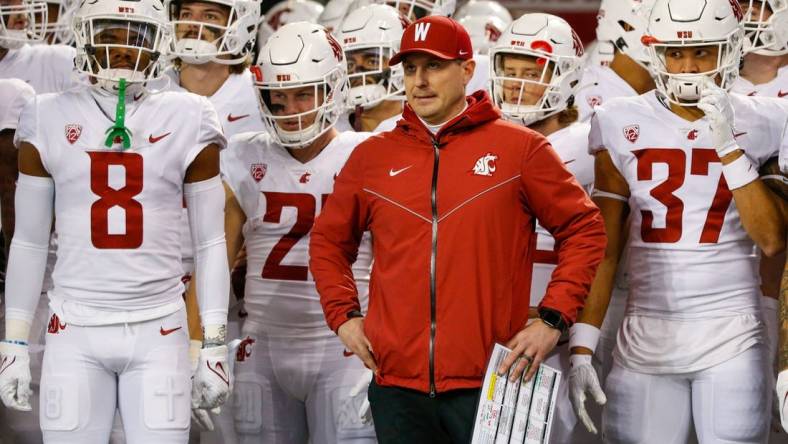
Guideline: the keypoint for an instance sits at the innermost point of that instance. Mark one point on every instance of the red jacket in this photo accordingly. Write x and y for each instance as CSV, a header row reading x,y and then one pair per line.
x,y
452,221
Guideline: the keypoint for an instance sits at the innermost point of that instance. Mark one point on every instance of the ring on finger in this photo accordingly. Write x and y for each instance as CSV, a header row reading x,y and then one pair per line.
x,y
528,358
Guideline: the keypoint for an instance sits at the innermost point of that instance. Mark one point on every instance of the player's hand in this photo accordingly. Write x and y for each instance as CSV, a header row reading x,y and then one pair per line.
x,y
201,417
15,376
532,344
213,380
358,396
782,394
351,333
716,104
582,379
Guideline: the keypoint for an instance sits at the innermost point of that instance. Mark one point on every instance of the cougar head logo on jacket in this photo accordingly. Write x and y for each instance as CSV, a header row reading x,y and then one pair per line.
x,y
485,166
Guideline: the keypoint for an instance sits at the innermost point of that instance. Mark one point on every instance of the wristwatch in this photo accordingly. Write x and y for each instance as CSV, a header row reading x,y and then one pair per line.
x,y
355,314
553,319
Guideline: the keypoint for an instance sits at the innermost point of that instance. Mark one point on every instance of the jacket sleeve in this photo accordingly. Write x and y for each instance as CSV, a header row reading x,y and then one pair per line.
x,y
334,242
573,220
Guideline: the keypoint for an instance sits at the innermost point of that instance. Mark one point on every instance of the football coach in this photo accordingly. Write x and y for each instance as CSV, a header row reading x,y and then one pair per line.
x,y
451,196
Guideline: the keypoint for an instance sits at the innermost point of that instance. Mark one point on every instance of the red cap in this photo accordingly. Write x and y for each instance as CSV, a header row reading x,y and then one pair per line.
x,y
436,35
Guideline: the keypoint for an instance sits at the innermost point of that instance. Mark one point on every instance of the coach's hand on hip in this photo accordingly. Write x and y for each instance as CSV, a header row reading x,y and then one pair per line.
x,y
532,344
352,335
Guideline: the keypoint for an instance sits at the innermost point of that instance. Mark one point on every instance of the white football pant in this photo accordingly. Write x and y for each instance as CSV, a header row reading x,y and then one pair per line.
x,y
142,368
728,403
294,390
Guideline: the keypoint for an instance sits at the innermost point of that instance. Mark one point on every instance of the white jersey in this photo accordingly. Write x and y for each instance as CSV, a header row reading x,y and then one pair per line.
x,y
47,68
343,123
692,267
235,102
14,95
571,145
599,84
481,75
777,87
281,198
118,257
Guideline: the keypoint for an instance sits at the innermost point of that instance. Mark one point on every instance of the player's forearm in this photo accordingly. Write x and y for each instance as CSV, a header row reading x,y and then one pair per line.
x,y
193,312
761,217
205,205
29,248
8,173
783,346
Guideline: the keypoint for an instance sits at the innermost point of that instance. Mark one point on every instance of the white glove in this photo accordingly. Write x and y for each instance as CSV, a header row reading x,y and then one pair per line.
x,y
782,394
358,395
212,382
716,104
201,417
15,376
582,379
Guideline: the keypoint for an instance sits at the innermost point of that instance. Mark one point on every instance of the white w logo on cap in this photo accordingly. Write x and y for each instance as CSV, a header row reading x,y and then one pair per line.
x,y
420,33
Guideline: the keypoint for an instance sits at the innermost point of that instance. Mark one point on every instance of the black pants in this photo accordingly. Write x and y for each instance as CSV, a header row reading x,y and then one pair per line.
x,y
411,417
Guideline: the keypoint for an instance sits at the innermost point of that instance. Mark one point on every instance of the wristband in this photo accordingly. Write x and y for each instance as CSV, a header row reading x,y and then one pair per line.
x,y
739,173
584,335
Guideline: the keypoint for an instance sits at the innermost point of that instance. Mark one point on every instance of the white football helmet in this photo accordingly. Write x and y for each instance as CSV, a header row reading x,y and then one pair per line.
x,y
485,8
484,31
137,30
372,34
333,14
59,31
681,23
761,17
301,55
416,9
624,22
287,11
557,51
197,42
21,22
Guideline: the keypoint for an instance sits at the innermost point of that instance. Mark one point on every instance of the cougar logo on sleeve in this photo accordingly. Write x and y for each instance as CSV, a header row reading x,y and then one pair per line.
x,y
485,166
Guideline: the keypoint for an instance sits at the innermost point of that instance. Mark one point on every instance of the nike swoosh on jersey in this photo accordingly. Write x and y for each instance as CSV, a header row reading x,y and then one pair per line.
x,y
782,94
168,331
393,172
152,139
232,118
569,161
739,134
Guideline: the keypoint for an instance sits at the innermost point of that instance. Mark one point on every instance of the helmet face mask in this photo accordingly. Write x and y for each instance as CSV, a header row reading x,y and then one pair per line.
x,y
112,45
761,17
301,75
700,31
213,31
22,22
535,68
623,23
58,28
371,36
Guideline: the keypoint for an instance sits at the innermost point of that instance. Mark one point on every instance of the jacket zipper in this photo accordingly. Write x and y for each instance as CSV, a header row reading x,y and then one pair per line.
x,y
433,264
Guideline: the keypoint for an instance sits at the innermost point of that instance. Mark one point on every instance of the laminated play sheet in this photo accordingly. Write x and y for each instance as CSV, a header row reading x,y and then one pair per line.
x,y
515,412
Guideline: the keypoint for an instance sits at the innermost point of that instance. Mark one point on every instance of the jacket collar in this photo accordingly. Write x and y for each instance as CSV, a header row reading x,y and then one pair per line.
x,y
480,110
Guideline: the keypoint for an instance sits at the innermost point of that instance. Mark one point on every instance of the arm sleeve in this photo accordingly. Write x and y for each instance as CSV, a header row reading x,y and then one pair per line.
x,y
334,242
573,220
205,206
34,203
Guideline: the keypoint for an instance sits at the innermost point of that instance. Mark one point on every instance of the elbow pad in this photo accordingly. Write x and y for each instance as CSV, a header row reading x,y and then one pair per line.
x,y
34,204
205,207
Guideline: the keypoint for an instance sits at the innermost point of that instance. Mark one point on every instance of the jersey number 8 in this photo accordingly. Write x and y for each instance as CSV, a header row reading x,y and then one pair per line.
x,y
100,162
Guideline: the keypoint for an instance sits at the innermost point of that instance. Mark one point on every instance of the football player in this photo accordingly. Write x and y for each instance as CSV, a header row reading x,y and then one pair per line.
x,y
47,68
533,82
692,334
294,384
284,12
485,20
113,173
333,13
370,36
621,22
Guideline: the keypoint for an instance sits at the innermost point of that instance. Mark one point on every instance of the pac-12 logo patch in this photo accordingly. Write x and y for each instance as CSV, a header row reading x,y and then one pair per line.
x,y
632,132
73,131
258,171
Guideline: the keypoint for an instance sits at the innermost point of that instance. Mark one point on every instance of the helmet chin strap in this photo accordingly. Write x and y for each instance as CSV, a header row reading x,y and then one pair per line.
x,y
119,130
